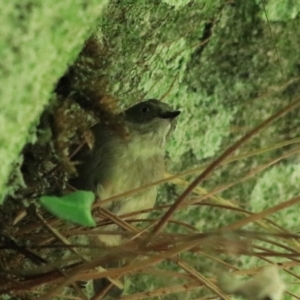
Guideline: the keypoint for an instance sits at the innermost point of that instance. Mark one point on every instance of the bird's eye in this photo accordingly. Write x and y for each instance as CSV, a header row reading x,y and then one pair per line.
x,y
145,109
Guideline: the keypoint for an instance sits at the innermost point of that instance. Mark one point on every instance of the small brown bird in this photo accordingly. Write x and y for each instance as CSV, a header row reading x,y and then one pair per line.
x,y
116,165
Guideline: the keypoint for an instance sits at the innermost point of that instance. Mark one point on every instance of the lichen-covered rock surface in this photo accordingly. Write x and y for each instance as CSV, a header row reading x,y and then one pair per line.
x,y
228,65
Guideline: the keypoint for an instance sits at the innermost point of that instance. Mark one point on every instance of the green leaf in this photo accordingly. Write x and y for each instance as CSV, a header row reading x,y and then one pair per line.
x,y
75,207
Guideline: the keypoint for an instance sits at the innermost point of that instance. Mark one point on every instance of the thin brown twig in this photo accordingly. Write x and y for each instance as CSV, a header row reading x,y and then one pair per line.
x,y
190,172
163,291
214,164
205,281
64,241
170,87
263,214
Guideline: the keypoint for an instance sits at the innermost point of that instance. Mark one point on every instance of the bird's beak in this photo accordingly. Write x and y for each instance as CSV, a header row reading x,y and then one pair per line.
x,y
170,114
